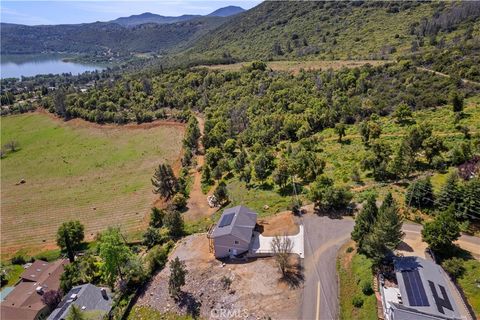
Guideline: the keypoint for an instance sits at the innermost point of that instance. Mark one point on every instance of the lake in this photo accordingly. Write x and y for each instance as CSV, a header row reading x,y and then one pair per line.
x,y
15,66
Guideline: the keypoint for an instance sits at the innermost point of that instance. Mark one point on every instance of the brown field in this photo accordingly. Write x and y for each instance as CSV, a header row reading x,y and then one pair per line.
x,y
73,170
296,66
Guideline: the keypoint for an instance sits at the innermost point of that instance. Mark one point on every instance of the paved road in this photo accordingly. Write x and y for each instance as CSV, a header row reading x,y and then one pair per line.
x,y
323,238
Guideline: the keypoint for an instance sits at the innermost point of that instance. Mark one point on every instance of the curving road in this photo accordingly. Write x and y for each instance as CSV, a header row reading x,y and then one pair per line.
x,y
323,238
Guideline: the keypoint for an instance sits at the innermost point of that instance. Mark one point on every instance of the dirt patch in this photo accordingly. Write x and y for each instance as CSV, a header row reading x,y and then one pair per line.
x,y
279,224
255,290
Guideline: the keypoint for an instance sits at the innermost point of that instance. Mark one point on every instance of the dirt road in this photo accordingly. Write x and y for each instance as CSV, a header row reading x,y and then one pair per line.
x,y
197,203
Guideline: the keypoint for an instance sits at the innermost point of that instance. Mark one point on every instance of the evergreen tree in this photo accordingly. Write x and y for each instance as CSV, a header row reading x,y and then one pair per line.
x,y
151,237
420,194
174,223
365,221
164,181
457,102
221,192
389,224
156,217
449,193
470,202
442,231
177,278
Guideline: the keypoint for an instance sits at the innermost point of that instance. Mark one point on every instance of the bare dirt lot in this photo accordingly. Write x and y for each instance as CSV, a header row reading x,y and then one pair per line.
x,y
283,223
255,292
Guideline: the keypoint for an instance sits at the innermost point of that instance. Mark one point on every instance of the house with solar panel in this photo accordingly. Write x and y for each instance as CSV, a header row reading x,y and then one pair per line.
x,y
233,234
418,289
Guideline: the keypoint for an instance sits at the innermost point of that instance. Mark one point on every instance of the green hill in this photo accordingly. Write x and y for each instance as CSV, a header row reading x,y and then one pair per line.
x,y
277,30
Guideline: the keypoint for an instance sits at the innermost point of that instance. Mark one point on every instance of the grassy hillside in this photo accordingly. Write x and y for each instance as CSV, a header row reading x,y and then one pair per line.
x,y
100,176
331,30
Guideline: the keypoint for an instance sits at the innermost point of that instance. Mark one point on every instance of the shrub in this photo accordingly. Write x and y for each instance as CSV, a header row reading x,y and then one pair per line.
x,y
454,267
226,282
367,288
179,201
157,258
357,302
349,249
18,259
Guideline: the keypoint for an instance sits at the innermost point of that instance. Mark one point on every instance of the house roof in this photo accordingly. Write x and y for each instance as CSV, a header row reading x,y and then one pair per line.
x,y
87,297
24,299
238,221
424,290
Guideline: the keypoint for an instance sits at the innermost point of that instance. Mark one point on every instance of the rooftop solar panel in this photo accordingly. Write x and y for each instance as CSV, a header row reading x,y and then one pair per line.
x,y
414,288
226,220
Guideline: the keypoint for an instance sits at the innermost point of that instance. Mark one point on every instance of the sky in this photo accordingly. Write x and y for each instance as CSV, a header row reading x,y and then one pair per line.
x,y
66,12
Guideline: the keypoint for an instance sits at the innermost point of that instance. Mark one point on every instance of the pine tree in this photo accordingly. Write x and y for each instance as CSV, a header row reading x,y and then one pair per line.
x,y
164,181
156,217
420,194
174,223
365,221
449,193
177,277
389,224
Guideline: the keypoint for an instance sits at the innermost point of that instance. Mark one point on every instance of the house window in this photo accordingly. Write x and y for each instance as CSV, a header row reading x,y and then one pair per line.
x,y
236,242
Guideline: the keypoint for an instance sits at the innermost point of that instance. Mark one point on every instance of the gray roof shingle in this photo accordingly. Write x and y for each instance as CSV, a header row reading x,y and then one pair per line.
x,y
241,226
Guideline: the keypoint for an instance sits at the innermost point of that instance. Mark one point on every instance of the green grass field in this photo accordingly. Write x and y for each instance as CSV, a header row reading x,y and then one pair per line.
x,y
354,271
98,175
470,283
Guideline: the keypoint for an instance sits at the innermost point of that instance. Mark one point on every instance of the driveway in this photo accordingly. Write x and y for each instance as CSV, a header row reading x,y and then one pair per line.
x,y
262,246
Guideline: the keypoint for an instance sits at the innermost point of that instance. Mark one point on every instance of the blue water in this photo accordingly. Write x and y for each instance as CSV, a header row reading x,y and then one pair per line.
x,y
17,66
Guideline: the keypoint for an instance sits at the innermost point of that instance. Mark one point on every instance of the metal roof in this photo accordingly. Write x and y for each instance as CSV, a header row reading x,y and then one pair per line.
x,y
242,224
415,275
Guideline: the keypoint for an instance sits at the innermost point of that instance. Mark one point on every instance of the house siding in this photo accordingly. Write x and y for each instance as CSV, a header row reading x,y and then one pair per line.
x,y
225,245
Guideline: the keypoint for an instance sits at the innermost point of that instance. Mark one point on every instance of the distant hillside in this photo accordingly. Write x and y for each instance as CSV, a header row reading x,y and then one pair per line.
x,y
146,32
277,30
103,38
227,11
149,17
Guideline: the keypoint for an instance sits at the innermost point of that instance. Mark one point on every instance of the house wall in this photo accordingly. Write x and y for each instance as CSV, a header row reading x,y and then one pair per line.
x,y
225,246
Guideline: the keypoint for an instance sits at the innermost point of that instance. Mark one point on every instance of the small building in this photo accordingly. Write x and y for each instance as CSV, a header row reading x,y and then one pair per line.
x,y
419,291
232,235
25,300
94,301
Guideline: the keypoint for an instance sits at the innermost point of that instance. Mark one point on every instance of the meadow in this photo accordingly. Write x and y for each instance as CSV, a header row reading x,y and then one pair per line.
x,y
73,170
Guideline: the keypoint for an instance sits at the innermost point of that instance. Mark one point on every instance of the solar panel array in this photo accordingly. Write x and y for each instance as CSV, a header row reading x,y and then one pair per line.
x,y
226,220
415,290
